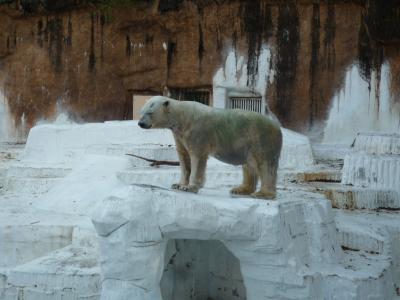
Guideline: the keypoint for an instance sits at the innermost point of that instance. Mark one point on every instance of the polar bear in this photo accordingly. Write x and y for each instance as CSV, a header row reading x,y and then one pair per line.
x,y
234,136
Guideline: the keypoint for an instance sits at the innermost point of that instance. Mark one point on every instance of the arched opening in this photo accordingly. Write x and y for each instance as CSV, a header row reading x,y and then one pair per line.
x,y
201,270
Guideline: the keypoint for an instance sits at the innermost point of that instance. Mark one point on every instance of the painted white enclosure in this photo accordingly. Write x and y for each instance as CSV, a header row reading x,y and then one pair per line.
x,y
160,244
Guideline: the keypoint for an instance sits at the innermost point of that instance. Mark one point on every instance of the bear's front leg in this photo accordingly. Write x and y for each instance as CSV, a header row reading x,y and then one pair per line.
x,y
184,161
198,168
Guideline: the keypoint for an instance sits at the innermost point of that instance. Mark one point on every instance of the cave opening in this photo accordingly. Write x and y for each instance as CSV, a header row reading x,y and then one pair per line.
x,y
201,270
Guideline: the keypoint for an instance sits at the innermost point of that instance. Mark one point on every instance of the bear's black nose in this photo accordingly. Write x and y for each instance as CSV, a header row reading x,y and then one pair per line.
x,y
144,125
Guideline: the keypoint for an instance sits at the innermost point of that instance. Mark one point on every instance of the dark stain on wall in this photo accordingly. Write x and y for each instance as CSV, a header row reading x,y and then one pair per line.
x,y
128,47
370,48
166,6
102,37
40,32
311,43
314,63
30,6
201,45
171,52
56,39
68,38
330,32
258,28
380,25
288,43
92,55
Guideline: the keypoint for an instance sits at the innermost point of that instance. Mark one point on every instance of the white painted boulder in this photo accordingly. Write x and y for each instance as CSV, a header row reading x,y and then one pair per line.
x,y
158,244
377,143
67,143
60,144
375,163
53,150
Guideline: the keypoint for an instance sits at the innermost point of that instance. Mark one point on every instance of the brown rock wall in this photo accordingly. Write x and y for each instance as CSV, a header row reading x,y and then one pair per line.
x,y
88,61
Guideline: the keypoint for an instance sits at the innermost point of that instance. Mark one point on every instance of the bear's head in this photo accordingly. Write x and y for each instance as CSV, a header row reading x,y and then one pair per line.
x,y
155,113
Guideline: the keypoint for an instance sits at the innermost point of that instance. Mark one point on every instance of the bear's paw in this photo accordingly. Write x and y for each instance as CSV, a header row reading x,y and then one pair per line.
x,y
264,195
185,188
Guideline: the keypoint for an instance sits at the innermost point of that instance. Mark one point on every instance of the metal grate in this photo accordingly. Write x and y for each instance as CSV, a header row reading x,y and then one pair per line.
x,y
246,103
202,96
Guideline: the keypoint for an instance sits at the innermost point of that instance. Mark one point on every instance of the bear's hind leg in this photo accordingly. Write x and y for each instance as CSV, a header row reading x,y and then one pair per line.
x,y
249,182
268,174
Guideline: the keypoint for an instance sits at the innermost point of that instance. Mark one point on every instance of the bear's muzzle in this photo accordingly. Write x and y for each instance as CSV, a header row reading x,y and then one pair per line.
x,y
144,125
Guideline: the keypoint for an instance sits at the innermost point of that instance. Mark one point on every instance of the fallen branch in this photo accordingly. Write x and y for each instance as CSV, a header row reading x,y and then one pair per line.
x,y
155,162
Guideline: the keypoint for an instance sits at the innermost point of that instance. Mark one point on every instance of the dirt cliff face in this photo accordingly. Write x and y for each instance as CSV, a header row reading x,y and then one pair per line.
x,y
89,61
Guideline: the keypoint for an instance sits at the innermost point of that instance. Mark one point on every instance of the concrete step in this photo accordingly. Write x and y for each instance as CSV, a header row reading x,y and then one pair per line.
x,y
28,235
23,177
166,176
317,175
377,143
349,197
362,198
24,170
25,185
330,152
372,232
360,275
374,171
21,243
70,273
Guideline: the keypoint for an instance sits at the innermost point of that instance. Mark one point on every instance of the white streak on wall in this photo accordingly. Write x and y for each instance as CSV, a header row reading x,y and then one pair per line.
x,y
356,109
8,132
232,77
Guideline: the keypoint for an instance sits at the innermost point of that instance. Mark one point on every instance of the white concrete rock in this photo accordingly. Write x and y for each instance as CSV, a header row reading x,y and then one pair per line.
x,y
162,244
362,198
375,163
70,273
67,143
285,249
23,243
296,151
53,150
217,175
374,171
376,233
91,181
377,143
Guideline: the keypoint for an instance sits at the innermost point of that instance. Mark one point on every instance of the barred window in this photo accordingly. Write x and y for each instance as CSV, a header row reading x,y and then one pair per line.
x,y
246,103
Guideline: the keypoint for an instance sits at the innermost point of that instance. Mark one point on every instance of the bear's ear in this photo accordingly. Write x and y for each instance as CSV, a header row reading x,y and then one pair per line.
x,y
166,105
